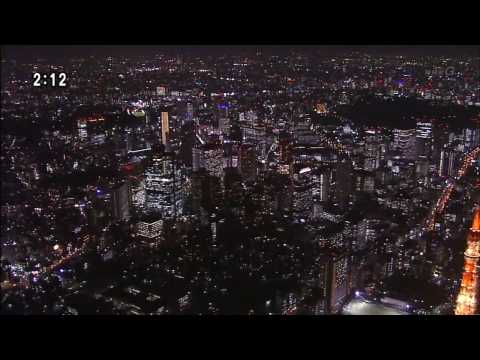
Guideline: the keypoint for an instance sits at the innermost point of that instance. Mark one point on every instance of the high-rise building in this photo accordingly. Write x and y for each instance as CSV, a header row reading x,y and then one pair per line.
x,y
82,129
424,139
442,168
285,149
121,201
165,129
343,181
247,161
404,141
337,283
302,193
467,301
164,188
199,181
213,159
448,162
150,229
189,114
197,161
366,233
471,138
223,125
424,129
372,151
322,180
422,166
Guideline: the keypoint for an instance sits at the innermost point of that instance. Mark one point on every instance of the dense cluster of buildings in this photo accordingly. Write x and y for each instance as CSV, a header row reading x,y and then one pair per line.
x,y
233,185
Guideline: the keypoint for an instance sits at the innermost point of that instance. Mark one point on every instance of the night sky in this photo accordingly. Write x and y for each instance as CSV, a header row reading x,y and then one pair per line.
x,y
25,52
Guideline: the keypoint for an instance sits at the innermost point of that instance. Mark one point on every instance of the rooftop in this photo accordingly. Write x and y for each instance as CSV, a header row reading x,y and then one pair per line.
x,y
365,307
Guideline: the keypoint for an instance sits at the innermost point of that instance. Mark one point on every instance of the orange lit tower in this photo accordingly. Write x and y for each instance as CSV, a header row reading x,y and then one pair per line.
x,y
467,301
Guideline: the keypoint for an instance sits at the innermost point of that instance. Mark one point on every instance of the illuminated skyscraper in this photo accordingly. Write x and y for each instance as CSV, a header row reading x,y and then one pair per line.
x,y
337,283
472,137
447,163
467,301
213,159
82,129
423,141
302,193
372,151
404,141
322,180
165,129
164,185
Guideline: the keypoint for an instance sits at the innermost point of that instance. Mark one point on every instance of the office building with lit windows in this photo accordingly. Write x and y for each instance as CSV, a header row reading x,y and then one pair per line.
x,y
150,230
164,190
337,282
212,156
404,141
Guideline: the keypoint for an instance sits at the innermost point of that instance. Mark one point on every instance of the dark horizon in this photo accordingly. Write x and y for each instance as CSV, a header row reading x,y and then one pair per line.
x,y
25,52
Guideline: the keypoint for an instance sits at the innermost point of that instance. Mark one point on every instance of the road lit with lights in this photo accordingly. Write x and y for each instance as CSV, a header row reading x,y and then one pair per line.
x,y
448,190
52,267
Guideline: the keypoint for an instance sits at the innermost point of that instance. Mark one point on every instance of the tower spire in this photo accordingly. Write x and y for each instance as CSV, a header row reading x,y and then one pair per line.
x,y
467,301
476,220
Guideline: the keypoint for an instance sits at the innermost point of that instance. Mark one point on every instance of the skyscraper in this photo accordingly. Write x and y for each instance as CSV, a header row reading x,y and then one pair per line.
x,y
321,184
467,301
213,159
337,283
189,114
447,163
404,141
121,201
423,140
163,185
197,161
247,161
472,137
302,192
165,130
343,187
372,151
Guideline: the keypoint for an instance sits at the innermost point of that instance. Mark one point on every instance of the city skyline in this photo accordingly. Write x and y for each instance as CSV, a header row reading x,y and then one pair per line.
x,y
66,51
252,180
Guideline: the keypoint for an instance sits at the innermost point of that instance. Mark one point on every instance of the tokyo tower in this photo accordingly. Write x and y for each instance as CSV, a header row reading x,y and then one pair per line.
x,y
467,301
